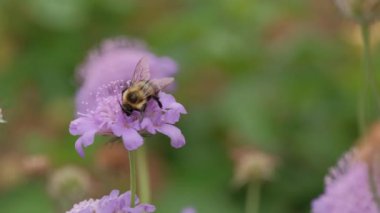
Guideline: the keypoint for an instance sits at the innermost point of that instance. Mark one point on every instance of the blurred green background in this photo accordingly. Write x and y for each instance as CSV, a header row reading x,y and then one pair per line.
x,y
281,76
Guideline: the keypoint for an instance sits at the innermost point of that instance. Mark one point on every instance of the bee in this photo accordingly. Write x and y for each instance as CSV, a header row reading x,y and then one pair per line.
x,y
142,89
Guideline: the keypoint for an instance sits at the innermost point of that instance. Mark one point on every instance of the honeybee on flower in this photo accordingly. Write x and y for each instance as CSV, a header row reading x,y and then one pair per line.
x,y
142,89
118,97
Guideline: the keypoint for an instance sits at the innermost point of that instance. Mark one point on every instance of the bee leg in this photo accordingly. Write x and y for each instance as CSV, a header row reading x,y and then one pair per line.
x,y
142,111
126,110
143,108
158,101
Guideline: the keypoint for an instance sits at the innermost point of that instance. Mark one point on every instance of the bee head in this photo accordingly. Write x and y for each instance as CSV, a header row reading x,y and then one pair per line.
x,y
127,109
132,97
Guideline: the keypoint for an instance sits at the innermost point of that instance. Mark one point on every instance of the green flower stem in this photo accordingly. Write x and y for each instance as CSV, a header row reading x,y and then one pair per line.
x,y
132,173
253,197
143,174
369,77
365,79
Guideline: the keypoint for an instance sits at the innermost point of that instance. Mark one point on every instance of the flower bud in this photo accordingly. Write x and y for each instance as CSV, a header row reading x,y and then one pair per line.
x,y
1,117
189,210
363,11
69,185
36,165
252,164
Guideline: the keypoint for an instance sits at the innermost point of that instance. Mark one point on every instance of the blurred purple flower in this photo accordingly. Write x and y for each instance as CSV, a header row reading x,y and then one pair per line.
x,y
110,204
99,99
188,210
347,189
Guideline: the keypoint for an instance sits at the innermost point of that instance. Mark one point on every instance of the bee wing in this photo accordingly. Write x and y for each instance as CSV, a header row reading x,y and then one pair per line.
x,y
142,72
161,83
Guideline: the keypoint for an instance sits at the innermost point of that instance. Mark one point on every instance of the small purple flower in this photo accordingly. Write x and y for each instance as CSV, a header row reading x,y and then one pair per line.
x,y
112,203
347,189
188,210
99,110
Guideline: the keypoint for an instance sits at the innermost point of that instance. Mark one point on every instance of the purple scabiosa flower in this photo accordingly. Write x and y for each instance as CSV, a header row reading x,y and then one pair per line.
x,y
348,189
112,203
115,60
99,100
353,186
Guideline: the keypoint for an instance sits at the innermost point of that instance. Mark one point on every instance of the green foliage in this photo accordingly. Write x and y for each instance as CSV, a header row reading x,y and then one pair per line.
x,y
264,69
30,197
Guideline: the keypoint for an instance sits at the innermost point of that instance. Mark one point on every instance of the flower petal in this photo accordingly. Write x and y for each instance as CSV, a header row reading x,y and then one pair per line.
x,y
178,107
171,116
142,208
83,141
127,198
148,207
175,135
81,125
79,147
166,99
117,129
147,124
132,139
114,193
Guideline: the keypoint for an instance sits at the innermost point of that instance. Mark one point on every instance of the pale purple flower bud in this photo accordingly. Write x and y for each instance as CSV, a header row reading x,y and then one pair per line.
x,y
251,164
78,180
112,203
189,210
